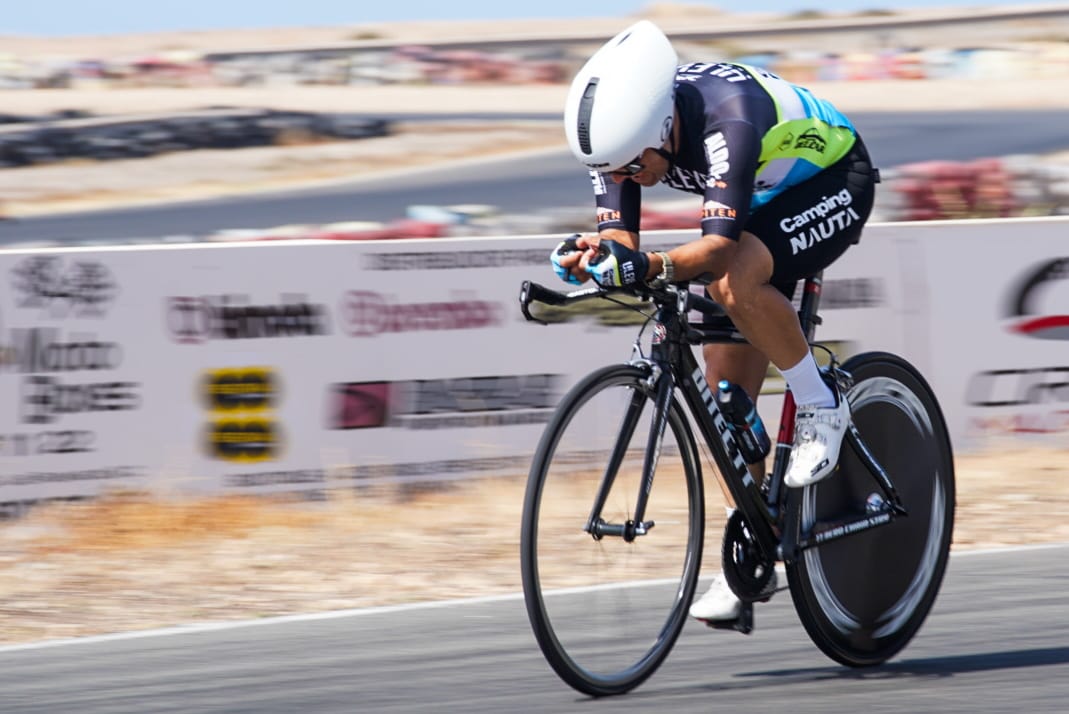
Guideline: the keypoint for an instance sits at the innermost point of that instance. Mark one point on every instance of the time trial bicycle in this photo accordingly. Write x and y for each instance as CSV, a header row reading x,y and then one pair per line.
x,y
614,513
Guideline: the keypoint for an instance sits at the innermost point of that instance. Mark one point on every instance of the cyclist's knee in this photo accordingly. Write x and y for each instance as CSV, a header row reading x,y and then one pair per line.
x,y
735,291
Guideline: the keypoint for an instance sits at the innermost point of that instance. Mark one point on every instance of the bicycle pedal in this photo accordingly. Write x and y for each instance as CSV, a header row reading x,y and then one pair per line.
x,y
743,623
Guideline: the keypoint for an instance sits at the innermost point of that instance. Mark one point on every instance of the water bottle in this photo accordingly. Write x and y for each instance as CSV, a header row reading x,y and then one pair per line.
x,y
744,421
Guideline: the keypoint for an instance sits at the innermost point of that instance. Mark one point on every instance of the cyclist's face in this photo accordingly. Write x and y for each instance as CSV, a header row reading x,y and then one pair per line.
x,y
653,168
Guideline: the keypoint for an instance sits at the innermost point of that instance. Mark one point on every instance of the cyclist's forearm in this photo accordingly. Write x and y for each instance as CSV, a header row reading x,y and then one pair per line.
x,y
620,236
711,254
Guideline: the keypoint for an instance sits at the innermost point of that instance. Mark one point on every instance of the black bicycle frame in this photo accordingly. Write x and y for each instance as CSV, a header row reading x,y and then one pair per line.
x,y
671,365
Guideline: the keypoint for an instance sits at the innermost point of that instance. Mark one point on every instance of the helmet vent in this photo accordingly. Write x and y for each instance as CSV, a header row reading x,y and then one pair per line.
x,y
586,108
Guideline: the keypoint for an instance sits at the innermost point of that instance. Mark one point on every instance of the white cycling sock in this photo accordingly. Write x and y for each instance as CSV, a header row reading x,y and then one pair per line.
x,y
806,385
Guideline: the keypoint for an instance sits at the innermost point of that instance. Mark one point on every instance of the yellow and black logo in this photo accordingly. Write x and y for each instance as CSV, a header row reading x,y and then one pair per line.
x,y
248,389
243,440
241,401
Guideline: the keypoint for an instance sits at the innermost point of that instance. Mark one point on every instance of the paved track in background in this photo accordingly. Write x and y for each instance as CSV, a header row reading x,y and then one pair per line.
x,y
996,641
551,180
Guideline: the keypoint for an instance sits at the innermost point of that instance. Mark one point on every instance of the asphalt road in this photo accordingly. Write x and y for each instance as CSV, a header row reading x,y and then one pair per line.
x,y
552,180
996,641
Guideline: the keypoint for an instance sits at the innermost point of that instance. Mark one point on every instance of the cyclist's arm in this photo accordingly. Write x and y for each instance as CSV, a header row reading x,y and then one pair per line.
x,y
733,149
618,209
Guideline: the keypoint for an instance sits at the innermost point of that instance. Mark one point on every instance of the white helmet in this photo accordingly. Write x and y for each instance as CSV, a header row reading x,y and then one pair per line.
x,y
621,101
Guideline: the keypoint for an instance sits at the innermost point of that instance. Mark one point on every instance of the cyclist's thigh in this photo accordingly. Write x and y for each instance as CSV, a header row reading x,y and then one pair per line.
x,y
807,227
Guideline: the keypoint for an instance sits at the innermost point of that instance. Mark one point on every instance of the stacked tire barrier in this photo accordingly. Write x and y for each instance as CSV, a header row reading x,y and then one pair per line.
x,y
26,141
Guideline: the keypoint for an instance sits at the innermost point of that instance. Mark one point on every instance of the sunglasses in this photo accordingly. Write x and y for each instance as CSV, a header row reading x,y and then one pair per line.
x,y
635,165
630,168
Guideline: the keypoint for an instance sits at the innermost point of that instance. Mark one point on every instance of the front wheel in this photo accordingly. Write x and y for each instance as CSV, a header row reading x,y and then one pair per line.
x,y
862,598
607,607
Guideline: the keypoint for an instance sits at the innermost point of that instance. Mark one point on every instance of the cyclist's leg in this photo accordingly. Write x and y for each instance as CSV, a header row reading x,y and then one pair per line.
x,y
740,364
746,366
804,230
759,310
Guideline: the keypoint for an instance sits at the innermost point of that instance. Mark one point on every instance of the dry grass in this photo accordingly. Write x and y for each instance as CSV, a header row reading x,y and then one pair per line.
x,y
126,521
131,561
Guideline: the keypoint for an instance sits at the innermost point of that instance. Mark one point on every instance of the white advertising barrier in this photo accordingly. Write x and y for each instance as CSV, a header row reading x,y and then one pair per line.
x,y
299,365
997,302
263,367
302,365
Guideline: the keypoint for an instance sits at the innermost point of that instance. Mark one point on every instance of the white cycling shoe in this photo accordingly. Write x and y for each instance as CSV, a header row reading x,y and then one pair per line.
x,y
720,604
818,436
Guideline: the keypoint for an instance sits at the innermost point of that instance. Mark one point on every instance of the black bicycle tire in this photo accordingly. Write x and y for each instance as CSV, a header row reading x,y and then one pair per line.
x,y
563,664
864,649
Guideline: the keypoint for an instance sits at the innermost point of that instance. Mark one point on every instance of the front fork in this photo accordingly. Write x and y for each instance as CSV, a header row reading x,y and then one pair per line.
x,y
596,526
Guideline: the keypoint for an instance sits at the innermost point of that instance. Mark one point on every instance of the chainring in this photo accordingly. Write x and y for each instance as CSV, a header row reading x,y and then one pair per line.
x,y
748,571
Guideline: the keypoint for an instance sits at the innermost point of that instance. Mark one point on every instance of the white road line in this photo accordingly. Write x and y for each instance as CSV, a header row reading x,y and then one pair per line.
x,y
380,610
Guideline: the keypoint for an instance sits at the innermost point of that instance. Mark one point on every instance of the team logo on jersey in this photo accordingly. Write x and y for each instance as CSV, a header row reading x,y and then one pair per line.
x,y
598,179
820,221
811,140
715,209
716,152
605,215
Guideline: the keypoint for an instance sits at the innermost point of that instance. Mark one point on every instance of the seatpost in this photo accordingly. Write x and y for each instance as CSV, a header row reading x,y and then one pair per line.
x,y
807,312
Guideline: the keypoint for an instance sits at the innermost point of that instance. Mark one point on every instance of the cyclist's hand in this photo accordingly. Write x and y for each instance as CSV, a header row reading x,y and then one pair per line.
x,y
570,257
617,265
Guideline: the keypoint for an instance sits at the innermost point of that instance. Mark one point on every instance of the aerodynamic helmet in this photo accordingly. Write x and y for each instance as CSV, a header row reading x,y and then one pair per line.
x,y
622,100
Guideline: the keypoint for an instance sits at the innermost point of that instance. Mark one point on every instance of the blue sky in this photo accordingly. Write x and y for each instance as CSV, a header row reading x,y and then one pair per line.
x,y
79,17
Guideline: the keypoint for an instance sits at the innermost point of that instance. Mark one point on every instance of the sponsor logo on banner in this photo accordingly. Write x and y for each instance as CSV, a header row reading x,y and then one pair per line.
x,y
245,440
851,293
63,288
444,403
455,260
247,389
192,320
452,469
1028,399
360,405
1020,400
240,402
49,391
109,473
45,399
68,441
44,349
1030,315
367,314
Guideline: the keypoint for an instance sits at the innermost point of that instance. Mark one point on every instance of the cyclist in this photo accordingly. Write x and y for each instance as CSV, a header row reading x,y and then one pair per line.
x,y
786,185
